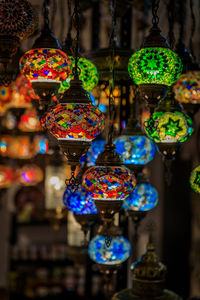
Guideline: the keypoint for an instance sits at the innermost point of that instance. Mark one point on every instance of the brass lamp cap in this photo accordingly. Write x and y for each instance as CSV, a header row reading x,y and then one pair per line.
x,y
109,157
46,40
155,39
149,274
76,93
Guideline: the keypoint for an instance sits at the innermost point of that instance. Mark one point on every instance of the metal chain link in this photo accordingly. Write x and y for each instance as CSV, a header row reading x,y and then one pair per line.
x,y
46,9
193,27
155,7
171,36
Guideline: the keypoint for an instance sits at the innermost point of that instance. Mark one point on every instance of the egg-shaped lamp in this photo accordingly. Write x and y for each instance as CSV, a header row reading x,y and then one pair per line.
x,y
29,175
75,122
7,177
154,67
195,180
95,149
118,251
17,23
88,74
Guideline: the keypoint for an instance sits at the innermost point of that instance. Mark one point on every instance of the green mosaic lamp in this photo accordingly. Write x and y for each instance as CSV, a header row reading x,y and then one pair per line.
x,y
155,66
195,180
168,126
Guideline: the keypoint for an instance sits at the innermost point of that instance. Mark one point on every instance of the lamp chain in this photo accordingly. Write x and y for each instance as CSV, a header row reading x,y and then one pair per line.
x,y
155,7
182,20
46,8
171,36
112,111
76,21
193,27
69,5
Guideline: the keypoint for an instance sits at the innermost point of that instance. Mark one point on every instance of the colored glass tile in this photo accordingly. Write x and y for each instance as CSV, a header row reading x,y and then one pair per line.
x,y
109,183
187,88
75,121
88,74
154,66
137,150
195,180
79,202
118,252
169,127
143,198
29,175
17,19
49,65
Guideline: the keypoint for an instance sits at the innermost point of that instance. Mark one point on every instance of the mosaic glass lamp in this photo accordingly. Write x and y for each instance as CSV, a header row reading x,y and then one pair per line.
x,y
75,122
45,66
154,67
7,177
118,251
109,182
29,175
88,74
40,144
195,180
187,88
17,23
95,149
16,147
29,122
168,126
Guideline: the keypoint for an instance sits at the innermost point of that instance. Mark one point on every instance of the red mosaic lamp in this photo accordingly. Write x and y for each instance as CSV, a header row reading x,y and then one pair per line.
x,y
7,177
29,175
17,23
45,66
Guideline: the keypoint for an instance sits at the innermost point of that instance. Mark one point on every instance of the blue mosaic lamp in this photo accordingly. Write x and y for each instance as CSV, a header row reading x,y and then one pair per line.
x,y
118,251
79,202
143,198
95,149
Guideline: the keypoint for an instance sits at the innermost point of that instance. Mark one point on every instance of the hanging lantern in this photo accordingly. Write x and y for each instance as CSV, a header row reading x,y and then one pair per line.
x,y
116,253
168,126
5,94
88,75
109,182
29,175
75,122
29,122
40,144
154,67
17,23
45,66
195,180
7,177
16,147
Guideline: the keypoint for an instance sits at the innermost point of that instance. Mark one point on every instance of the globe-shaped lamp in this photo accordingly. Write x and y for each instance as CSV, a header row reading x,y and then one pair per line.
x,y
29,175
195,180
7,177
95,149
118,251
88,74
17,22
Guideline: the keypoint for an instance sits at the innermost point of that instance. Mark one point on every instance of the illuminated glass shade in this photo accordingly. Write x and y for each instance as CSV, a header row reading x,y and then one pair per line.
x,y
109,183
195,180
88,74
143,198
6,176
118,252
169,127
29,122
75,122
187,87
95,149
40,144
45,65
5,94
29,175
155,66
18,147
137,150
79,202
17,19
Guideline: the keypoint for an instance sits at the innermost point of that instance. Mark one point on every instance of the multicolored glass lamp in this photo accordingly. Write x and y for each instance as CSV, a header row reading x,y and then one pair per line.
x,y
168,126
7,177
195,180
135,148
29,175
155,66
45,66
82,205
17,23
109,257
